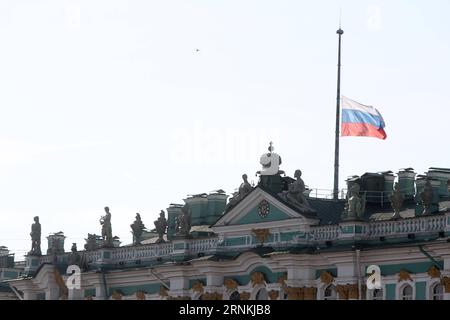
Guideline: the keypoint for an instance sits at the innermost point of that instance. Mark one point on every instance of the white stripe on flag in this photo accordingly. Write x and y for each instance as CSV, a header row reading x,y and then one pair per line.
x,y
353,105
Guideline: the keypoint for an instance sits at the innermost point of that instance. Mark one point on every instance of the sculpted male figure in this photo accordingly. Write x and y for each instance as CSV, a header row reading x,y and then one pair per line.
x,y
35,237
105,221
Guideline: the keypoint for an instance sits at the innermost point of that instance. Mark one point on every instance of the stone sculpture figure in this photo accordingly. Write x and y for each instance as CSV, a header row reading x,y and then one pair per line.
x,y
294,195
356,205
105,221
426,197
396,199
137,228
74,257
161,226
244,189
183,226
91,242
35,238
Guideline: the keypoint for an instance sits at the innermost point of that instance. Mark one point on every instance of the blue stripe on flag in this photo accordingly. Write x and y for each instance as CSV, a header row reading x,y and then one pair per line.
x,y
356,116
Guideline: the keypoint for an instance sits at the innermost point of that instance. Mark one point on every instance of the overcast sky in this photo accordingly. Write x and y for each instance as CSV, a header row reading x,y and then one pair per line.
x,y
136,104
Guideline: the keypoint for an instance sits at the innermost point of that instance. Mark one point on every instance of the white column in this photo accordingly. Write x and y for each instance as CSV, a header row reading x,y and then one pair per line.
x,y
214,280
179,286
100,293
52,293
29,295
179,283
76,294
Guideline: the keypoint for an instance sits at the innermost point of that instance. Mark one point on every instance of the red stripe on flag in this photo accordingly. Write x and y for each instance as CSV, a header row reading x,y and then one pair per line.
x,y
362,130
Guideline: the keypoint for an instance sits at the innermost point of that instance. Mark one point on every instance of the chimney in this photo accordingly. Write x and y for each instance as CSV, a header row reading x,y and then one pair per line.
x,y
388,185
406,182
56,243
198,205
443,175
216,206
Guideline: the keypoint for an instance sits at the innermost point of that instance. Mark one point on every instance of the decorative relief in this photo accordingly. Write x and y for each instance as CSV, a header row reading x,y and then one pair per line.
x,y
347,291
230,284
404,275
212,296
197,287
140,295
245,295
274,294
163,291
342,290
446,283
309,293
257,278
326,277
434,272
179,298
116,295
294,293
261,235
353,291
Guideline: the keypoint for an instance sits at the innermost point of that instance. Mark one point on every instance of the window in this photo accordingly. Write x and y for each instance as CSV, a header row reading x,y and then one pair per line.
x,y
406,293
377,294
261,294
235,296
330,293
437,292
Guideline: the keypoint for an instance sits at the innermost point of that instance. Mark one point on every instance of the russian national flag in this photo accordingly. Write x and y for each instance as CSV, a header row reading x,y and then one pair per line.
x,y
361,120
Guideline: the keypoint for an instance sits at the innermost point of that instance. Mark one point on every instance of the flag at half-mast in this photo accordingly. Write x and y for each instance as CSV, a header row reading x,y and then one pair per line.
x,y
361,120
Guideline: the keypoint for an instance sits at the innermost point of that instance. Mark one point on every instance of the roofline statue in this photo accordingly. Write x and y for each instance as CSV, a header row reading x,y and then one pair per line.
x,y
295,194
161,227
183,223
356,204
107,237
137,228
244,189
35,238
396,199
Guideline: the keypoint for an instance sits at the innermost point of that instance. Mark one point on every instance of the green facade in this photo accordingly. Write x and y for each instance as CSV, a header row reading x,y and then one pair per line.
x,y
421,287
253,216
390,291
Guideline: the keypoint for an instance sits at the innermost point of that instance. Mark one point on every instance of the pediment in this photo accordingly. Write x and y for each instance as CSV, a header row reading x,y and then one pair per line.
x,y
261,207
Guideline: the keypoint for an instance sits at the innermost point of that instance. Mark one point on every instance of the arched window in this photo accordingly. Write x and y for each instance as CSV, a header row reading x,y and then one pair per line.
x,y
377,294
330,293
406,293
437,292
235,296
262,294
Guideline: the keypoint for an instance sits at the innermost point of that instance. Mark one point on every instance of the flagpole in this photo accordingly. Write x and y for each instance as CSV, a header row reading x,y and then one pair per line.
x,y
340,32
